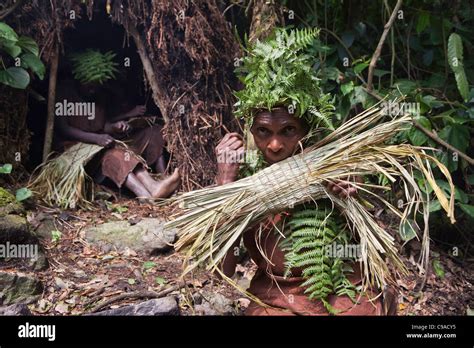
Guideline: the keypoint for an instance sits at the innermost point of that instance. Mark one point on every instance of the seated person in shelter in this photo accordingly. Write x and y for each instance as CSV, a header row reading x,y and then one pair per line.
x,y
279,134
98,126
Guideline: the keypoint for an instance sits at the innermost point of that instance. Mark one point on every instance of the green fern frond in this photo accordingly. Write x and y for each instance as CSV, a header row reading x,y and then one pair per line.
x,y
312,231
93,66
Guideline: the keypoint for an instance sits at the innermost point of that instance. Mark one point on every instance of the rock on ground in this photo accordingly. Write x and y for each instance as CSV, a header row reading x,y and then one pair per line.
x,y
209,303
15,233
15,309
14,229
9,204
147,236
19,288
156,307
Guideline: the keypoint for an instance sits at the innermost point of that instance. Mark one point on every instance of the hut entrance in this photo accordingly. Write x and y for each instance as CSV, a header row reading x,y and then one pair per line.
x,y
126,91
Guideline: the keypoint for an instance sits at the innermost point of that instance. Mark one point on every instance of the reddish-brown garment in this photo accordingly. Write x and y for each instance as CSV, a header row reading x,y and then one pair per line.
x,y
115,163
284,295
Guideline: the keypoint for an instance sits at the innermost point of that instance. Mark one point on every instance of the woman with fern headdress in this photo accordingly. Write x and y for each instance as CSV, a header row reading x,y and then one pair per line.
x,y
128,166
285,110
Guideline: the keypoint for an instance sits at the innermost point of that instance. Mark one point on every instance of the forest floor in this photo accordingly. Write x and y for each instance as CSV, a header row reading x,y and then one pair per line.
x,y
81,276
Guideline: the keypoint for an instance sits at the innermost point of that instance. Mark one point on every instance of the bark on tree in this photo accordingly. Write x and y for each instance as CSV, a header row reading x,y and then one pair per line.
x,y
266,15
159,96
53,74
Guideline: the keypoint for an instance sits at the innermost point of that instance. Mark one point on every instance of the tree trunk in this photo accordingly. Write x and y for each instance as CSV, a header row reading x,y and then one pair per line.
x,y
159,96
53,74
266,15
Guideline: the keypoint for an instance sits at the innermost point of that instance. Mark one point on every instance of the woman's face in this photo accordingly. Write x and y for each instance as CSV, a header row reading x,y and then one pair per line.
x,y
89,91
277,133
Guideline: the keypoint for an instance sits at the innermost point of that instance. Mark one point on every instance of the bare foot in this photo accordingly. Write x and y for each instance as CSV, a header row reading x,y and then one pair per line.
x,y
164,188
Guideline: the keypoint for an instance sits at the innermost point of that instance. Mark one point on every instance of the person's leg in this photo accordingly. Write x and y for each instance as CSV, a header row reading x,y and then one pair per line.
x,y
158,189
136,186
160,165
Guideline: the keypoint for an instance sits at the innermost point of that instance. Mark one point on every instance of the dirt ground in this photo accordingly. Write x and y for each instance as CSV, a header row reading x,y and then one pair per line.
x,y
80,276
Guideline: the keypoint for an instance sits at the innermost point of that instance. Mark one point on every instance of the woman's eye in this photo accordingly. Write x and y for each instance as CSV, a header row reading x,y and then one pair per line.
x,y
263,131
289,131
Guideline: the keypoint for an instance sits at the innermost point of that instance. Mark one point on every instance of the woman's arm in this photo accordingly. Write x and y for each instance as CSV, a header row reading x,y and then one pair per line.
x,y
227,171
73,133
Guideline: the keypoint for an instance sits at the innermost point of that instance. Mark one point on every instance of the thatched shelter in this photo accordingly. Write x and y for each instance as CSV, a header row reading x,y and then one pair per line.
x,y
186,52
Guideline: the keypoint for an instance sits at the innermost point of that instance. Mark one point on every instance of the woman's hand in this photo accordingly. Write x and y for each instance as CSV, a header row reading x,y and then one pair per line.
x,y
138,110
344,188
120,127
229,151
104,140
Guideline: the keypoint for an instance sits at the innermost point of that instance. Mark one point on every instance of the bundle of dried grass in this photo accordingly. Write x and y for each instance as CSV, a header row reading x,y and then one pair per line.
x,y
212,219
63,181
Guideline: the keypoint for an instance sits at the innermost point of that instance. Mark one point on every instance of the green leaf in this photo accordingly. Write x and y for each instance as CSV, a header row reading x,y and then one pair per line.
x,y
438,268
29,45
13,50
408,230
29,60
456,135
359,96
431,101
423,22
380,72
15,77
468,209
6,168
455,50
422,184
120,209
160,281
332,73
55,236
348,38
459,195
7,34
405,86
22,194
455,60
347,88
148,265
463,85
416,136
131,281
434,206
360,67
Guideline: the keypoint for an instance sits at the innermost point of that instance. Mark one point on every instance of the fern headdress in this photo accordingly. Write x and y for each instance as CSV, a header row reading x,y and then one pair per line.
x,y
278,72
93,66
